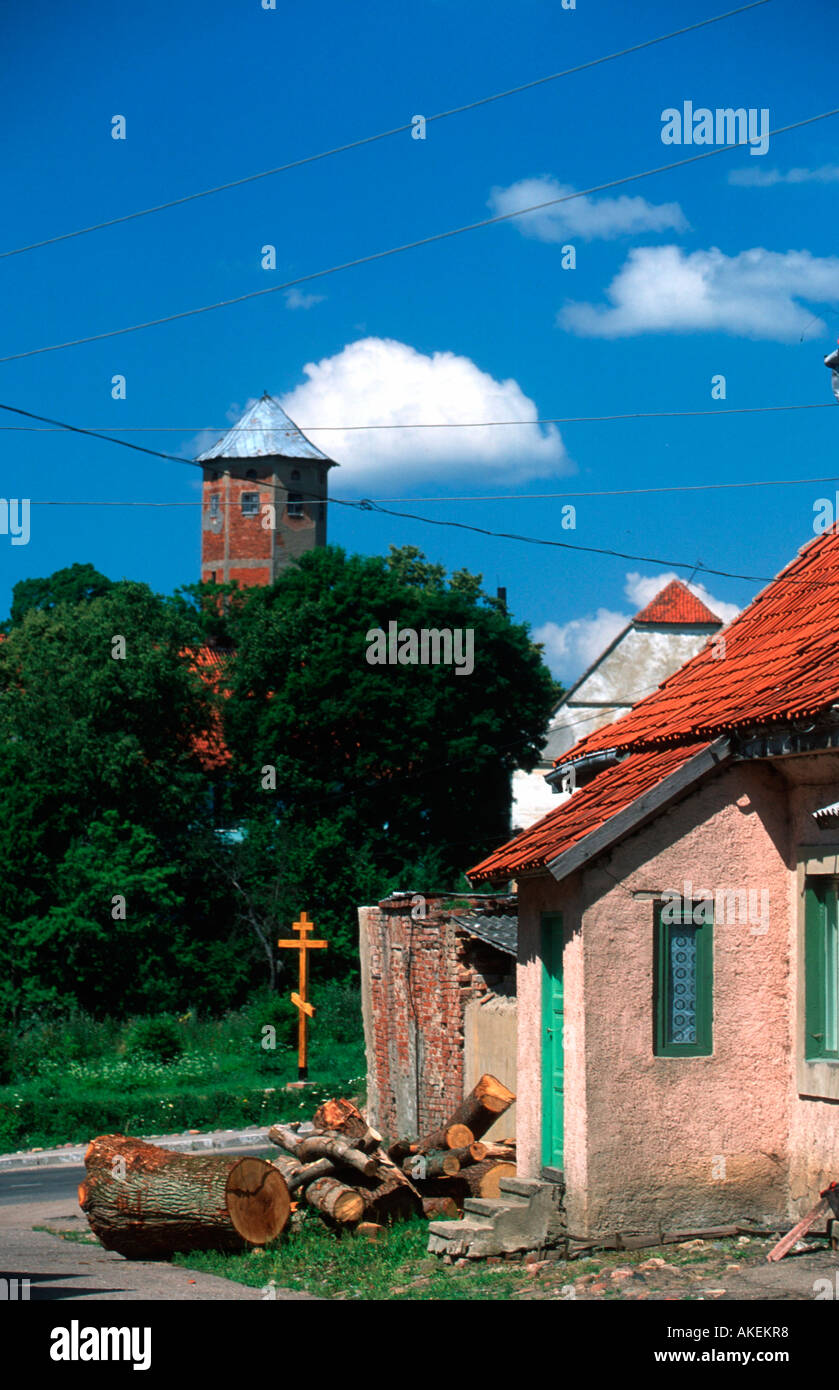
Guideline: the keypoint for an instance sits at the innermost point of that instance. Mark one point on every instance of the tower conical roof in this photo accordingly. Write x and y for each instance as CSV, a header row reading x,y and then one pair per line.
x,y
264,431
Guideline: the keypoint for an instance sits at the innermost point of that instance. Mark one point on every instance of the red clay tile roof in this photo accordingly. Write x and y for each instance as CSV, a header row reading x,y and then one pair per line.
x,y
585,811
777,660
210,746
676,604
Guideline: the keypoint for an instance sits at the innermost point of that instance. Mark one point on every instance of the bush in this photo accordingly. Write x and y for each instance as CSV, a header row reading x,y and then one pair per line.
x,y
158,1038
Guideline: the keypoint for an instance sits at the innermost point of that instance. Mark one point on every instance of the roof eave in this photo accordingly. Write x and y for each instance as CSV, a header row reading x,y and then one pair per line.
x,y
643,808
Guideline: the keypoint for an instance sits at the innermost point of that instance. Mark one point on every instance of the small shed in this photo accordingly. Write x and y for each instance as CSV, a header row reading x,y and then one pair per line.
x,y
438,993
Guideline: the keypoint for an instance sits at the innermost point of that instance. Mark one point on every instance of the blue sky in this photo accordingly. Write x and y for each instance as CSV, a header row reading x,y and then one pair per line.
x,y
720,268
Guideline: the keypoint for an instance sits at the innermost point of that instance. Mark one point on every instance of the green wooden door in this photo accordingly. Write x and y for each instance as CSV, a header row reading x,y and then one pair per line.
x,y
553,1080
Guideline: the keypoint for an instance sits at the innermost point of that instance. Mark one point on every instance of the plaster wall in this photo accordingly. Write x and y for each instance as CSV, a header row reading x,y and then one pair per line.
x,y
651,1141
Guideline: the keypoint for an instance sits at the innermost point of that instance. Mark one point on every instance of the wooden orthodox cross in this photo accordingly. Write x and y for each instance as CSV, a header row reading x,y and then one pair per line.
x,y
302,943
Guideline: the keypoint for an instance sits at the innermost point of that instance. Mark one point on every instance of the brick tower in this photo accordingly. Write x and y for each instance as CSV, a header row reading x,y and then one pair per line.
x,y
262,485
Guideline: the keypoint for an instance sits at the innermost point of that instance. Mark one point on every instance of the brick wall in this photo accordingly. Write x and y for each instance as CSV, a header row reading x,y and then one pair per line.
x,y
254,548
418,975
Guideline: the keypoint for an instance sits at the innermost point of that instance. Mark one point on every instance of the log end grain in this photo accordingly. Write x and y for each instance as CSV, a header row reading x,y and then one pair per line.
x,y
258,1200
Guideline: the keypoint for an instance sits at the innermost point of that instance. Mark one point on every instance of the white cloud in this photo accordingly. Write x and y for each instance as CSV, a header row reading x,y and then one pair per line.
x,y
570,648
298,299
641,589
381,381
756,294
751,177
584,217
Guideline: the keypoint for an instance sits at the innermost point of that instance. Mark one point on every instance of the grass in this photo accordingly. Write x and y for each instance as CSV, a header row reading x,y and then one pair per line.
x,y
74,1078
396,1267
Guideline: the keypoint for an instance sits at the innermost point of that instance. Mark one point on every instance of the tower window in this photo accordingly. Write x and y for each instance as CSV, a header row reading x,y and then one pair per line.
x,y
294,505
250,503
251,473
295,475
214,504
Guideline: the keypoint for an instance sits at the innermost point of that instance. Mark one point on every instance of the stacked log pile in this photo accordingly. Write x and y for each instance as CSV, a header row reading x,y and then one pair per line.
x,y
147,1202
346,1173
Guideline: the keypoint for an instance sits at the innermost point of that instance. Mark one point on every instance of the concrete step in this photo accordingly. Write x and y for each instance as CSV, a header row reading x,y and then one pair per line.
x,y
490,1207
522,1187
528,1215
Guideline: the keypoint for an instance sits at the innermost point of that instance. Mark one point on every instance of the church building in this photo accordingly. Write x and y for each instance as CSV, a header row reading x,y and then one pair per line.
x,y
264,498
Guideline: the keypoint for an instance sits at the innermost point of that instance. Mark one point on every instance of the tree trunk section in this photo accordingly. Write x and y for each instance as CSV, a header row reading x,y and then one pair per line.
x,y
342,1117
146,1202
299,1174
481,1108
450,1136
474,1153
439,1206
340,1203
285,1138
341,1150
440,1163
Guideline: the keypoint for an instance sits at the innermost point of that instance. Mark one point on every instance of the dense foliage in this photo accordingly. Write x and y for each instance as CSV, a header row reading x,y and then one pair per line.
x,y
139,877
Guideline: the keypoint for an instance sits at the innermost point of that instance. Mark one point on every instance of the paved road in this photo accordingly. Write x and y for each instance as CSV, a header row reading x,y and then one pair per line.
x,y
72,1269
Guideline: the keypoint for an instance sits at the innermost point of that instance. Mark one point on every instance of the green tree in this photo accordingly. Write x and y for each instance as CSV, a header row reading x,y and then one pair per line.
x,y
76,584
103,792
386,776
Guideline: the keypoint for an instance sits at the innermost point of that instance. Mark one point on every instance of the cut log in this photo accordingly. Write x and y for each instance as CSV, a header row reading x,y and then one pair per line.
x,y
341,1150
477,1180
482,1107
449,1136
393,1199
505,1149
340,1203
399,1151
286,1138
146,1202
299,1174
439,1206
342,1117
440,1163
473,1153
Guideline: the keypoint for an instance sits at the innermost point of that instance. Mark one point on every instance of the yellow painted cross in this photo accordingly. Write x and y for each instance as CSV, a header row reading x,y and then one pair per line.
x,y
302,943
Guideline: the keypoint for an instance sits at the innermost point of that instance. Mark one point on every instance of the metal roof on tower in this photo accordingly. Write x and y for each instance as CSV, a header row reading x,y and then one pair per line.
x,y
264,431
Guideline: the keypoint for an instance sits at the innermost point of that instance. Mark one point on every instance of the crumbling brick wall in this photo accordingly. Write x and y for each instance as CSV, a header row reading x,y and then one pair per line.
x,y
418,973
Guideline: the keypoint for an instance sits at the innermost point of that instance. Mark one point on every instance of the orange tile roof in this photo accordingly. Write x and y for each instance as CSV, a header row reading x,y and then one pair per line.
x,y
778,660
676,604
210,746
584,812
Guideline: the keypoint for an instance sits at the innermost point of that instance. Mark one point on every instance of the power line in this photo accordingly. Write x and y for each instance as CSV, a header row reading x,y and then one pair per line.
x,y
381,135
408,245
446,424
365,504
58,426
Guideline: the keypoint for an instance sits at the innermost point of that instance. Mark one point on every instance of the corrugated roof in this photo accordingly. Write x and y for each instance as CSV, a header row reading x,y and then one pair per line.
x,y
590,807
676,604
777,661
500,932
264,431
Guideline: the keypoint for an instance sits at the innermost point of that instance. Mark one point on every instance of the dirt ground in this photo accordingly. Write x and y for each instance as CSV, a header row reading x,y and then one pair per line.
x,y
730,1269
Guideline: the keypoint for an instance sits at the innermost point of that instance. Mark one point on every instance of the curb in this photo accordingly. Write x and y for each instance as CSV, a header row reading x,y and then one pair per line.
x,y
73,1154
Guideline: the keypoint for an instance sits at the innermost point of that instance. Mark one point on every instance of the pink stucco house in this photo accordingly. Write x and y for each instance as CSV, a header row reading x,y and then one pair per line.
x,y
678,957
